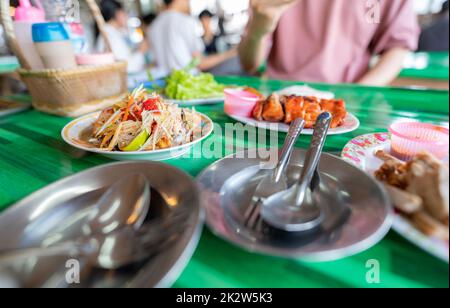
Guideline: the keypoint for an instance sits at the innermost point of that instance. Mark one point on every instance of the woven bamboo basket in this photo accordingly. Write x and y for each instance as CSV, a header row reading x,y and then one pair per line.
x,y
71,92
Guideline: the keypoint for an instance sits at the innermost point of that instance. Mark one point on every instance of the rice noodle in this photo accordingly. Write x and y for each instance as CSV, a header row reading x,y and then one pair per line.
x,y
167,126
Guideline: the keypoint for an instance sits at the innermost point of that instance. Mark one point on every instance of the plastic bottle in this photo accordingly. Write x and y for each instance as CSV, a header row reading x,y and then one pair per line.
x,y
77,36
24,18
53,45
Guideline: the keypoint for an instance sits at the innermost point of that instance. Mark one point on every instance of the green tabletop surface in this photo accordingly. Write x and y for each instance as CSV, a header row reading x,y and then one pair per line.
x,y
32,155
427,65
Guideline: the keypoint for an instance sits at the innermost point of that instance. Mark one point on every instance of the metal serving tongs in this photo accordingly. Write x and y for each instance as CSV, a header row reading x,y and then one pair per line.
x,y
298,208
275,181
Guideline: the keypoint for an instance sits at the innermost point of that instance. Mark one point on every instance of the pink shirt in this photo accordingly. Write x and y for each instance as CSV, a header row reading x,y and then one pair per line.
x,y
333,40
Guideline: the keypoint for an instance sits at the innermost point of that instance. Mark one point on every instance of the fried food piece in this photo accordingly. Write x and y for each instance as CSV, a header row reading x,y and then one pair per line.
x,y
337,109
388,158
430,226
392,175
424,176
273,109
429,178
404,201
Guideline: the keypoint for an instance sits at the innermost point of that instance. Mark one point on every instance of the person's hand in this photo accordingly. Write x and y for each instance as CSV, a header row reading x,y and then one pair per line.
x,y
233,52
267,14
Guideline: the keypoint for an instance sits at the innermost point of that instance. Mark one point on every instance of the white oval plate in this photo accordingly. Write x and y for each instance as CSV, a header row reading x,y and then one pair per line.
x,y
196,102
73,130
361,153
351,123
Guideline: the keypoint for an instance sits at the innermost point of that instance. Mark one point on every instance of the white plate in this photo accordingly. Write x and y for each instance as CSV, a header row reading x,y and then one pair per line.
x,y
360,152
73,130
196,102
306,90
351,123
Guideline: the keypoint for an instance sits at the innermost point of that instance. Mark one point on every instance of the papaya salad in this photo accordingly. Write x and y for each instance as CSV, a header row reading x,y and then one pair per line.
x,y
144,122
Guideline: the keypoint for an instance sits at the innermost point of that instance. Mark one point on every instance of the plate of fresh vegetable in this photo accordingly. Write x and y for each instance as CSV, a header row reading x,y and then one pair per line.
x,y
186,87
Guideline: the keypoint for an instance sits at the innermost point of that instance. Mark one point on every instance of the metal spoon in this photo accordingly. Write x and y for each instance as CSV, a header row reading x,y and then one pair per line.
x,y
115,250
296,209
275,181
124,205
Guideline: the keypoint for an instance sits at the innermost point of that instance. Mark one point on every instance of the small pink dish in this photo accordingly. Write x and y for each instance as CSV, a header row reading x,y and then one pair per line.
x,y
411,138
95,59
239,102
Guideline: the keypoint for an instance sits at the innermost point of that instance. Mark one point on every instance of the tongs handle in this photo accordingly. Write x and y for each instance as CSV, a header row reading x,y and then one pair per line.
x,y
313,155
294,132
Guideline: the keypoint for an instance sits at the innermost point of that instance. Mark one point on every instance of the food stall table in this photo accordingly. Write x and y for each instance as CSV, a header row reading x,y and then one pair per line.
x,y
32,155
425,69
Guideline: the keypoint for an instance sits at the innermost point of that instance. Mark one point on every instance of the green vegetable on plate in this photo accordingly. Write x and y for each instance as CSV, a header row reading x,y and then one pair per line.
x,y
182,85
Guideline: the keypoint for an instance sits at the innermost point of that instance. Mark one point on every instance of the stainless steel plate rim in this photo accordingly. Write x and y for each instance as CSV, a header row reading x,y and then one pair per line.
x,y
323,256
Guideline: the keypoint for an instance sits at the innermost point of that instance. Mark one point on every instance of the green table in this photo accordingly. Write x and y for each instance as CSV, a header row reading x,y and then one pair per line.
x,y
425,69
33,155
427,65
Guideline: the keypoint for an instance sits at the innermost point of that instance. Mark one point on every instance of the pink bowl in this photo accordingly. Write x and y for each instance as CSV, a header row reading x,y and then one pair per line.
x,y
239,102
411,138
95,59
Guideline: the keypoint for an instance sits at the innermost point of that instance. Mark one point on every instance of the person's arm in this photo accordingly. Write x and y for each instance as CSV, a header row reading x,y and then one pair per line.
x,y
208,62
387,69
265,17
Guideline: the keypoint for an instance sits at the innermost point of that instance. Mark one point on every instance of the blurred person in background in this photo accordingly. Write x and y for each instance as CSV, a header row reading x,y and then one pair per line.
x,y
209,37
147,21
116,29
435,37
176,43
330,41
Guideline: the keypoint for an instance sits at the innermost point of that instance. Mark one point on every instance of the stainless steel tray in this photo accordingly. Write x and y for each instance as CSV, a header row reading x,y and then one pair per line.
x,y
30,221
226,192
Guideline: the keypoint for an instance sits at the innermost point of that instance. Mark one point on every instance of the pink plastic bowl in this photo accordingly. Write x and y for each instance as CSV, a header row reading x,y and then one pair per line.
x,y
95,59
239,102
411,138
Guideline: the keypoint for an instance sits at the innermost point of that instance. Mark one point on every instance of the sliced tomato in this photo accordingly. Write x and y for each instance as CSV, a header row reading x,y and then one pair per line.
x,y
151,104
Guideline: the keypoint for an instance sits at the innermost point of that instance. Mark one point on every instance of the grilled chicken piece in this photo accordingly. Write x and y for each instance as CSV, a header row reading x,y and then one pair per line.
x,y
302,107
294,108
337,110
288,108
273,109
258,110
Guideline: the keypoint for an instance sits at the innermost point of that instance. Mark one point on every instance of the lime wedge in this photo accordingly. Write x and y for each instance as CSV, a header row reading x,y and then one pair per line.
x,y
137,143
